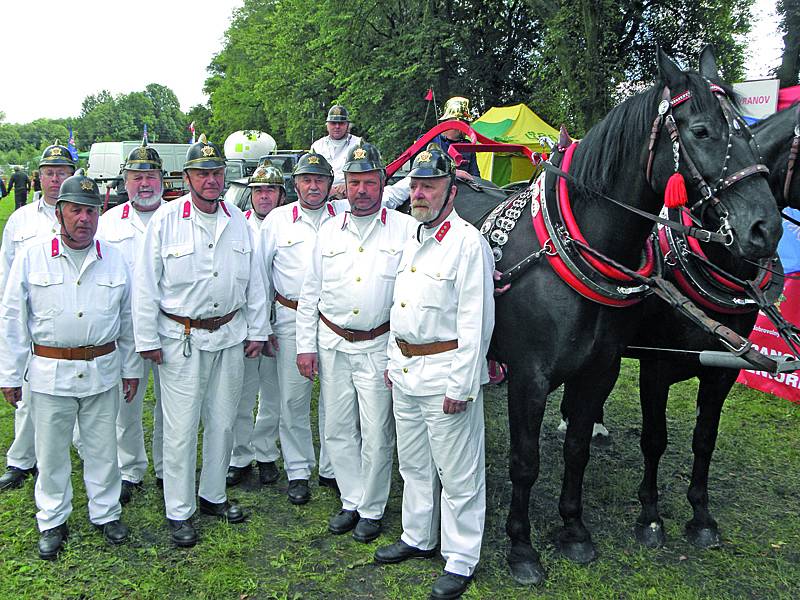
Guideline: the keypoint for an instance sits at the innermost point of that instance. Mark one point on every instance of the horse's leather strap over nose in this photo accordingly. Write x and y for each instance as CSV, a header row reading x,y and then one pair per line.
x,y
409,350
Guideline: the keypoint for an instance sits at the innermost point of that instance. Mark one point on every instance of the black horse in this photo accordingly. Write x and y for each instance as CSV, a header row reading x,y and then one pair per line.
x,y
663,328
549,335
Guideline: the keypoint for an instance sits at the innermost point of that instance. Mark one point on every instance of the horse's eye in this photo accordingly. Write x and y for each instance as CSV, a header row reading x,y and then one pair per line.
x,y
700,132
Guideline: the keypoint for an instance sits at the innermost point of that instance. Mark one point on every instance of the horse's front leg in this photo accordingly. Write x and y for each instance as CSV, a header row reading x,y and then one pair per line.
x,y
653,395
702,530
526,403
584,397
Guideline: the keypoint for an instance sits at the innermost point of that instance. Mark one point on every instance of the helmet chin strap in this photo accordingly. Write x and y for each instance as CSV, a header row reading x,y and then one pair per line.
x,y
196,193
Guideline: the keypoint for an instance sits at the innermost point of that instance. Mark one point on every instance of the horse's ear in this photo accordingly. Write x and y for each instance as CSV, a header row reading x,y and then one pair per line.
x,y
708,64
669,72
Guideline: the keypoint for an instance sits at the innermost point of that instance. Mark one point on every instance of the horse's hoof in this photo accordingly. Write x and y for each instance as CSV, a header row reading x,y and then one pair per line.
x,y
582,552
650,536
703,537
527,572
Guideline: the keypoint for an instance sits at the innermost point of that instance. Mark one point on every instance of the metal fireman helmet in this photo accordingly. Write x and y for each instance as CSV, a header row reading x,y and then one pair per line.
x,y
456,108
203,155
433,162
143,158
57,155
338,114
364,157
267,175
80,189
312,163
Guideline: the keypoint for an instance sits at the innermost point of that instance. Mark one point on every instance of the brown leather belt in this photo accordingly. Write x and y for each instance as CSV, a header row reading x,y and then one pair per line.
x,y
285,301
211,324
409,350
81,353
354,335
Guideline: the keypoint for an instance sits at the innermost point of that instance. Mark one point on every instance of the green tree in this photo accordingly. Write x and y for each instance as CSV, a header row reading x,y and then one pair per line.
x,y
168,125
594,53
790,60
200,115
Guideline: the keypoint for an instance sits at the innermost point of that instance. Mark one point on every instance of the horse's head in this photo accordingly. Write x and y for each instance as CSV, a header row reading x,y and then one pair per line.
x,y
778,141
700,134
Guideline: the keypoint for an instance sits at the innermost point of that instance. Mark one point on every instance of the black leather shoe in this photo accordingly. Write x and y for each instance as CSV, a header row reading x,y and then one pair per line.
x,y
400,551
342,522
268,472
182,533
449,586
367,530
14,477
51,541
115,532
298,491
126,491
232,513
236,475
330,482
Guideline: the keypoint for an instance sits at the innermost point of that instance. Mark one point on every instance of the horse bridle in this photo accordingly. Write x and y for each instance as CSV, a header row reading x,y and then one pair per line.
x,y
709,194
793,152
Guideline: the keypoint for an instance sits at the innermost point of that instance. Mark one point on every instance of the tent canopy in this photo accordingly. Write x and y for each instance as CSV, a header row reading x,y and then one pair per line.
x,y
516,124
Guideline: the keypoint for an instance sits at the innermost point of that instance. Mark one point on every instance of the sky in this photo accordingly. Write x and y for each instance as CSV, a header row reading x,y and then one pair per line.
x,y
56,53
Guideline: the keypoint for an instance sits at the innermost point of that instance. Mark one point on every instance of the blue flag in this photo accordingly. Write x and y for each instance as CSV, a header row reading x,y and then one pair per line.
x,y
71,146
145,134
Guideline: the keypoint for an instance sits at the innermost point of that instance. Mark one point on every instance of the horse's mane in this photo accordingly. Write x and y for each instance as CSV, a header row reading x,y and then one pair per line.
x,y
621,137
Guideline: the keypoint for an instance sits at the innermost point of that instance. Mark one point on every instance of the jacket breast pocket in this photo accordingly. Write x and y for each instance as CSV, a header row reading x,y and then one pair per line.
x,y
388,261
46,292
438,291
178,261
109,289
241,258
335,264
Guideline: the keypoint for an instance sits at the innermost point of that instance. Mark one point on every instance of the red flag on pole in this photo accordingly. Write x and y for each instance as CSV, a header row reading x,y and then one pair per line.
x,y
429,95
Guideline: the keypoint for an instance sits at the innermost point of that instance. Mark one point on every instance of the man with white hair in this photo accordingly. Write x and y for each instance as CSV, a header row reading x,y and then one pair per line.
x,y
123,227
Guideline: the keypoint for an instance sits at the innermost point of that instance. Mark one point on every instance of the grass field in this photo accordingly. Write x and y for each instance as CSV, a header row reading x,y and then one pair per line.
x,y
284,551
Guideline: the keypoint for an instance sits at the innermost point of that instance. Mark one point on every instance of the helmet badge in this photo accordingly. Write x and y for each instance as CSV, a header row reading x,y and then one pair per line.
x,y
313,160
359,153
208,151
86,185
142,153
424,156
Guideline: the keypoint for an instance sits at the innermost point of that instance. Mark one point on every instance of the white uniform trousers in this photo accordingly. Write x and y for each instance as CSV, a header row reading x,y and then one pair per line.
x,y
54,420
257,441
439,451
204,385
130,430
22,453
295,423
359,428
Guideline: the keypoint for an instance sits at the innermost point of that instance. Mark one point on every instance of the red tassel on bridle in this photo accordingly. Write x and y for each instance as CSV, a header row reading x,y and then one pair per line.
x,y
675,192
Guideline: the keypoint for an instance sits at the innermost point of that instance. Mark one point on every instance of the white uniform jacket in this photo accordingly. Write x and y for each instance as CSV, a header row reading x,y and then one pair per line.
x,y
444,291
351,280
23,226
123,228
48,301
285,245
336,153
181,272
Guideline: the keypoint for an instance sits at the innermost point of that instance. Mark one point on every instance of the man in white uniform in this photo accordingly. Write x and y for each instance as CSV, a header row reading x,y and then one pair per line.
x,y
348,288
285,246
442,319
22,228
69,299
337,145
258,441
199,307
123,227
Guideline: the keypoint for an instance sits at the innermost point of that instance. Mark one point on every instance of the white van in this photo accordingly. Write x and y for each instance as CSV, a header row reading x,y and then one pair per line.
x,y
106,159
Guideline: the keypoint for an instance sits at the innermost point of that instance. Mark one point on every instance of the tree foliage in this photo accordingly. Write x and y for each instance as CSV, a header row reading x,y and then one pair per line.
x,y
789,69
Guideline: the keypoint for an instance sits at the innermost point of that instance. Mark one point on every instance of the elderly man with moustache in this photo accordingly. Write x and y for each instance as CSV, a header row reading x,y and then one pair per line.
x,y
22,228
441,323
123,227
286,242
257,441
344,309
199,307
68,298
